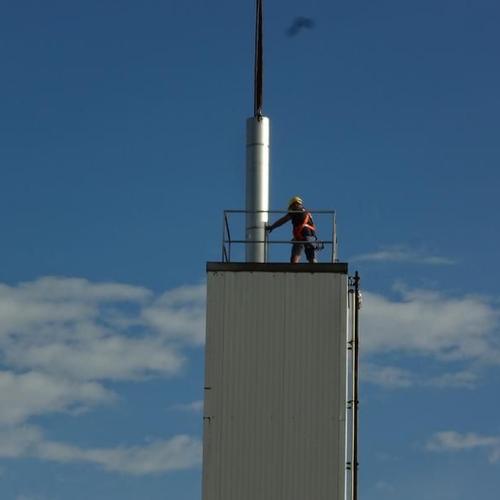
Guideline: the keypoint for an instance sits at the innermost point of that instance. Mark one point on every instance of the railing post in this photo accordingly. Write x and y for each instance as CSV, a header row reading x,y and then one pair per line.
x,y
223,235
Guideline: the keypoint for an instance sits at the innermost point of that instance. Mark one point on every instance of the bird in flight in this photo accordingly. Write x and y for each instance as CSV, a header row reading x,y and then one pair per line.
x,y
299,24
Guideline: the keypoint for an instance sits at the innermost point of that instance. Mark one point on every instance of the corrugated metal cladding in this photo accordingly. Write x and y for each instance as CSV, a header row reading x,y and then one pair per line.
x,y
274,417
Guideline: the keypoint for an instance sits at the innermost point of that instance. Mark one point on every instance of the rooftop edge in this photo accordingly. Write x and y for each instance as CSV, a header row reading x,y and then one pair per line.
x,y
278,267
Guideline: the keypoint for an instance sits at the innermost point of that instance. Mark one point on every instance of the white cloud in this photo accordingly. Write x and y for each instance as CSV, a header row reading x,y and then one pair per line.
x,y
451,441
179,452
179,313
430,323
64,289
403,254
194,406
73,328
18,442
32,393
384,486
391,377
394,377
62,340
459,380
56,301
111,357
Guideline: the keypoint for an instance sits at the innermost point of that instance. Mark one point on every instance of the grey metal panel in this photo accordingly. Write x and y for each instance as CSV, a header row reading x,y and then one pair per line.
x,y
275,386
213,376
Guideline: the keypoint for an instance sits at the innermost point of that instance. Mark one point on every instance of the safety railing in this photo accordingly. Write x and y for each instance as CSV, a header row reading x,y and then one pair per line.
x,y
234,236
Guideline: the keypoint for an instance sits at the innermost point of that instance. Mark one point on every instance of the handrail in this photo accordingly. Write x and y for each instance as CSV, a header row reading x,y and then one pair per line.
x,y
228,241
288,242
237,211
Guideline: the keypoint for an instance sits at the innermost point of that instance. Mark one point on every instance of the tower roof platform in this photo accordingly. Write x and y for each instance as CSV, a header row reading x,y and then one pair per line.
x,y
278,267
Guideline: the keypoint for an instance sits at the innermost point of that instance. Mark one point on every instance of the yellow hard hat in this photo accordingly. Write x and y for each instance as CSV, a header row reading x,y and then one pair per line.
x,y
295,199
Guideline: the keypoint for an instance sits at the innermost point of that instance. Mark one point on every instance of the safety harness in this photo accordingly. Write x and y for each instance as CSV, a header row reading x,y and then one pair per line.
x,y
307,223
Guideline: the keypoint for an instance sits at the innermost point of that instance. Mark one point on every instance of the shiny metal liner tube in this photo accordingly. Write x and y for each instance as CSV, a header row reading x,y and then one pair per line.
x,y
257,188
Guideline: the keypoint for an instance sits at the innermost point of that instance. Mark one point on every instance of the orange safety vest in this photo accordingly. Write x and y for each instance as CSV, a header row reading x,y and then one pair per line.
x,y
307,222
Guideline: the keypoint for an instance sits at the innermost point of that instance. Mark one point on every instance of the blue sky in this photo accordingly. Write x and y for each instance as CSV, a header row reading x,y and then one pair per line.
x,y
121,143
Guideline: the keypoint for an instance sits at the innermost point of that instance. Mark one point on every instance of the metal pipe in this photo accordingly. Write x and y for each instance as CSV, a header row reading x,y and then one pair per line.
x,y
257,187
349,392
355,390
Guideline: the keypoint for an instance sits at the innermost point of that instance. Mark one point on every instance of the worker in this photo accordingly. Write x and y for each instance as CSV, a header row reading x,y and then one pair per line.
x,y
303,230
